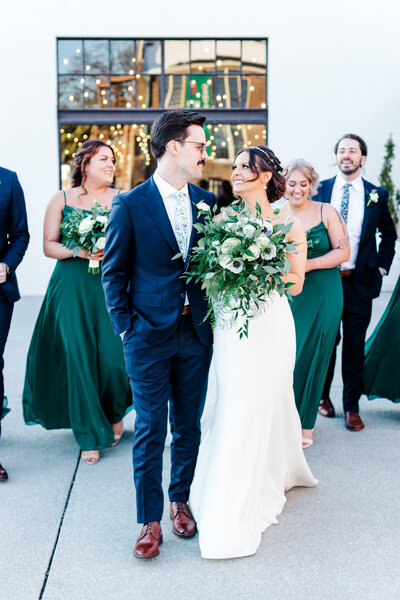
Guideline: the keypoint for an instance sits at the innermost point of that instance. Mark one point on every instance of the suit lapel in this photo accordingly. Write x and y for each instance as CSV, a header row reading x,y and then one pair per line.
x,y
193,200
327,190
155,207
367,209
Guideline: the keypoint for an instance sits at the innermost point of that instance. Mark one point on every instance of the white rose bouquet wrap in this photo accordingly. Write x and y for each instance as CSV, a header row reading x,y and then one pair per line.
x,y
239,260
86,232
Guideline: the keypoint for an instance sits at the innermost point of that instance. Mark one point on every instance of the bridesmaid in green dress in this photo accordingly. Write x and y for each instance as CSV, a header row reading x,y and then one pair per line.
x,y
75,373
382,354
317,310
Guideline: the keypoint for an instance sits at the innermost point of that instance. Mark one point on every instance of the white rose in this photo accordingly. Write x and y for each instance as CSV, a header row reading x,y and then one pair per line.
x,y
86,225
202,205
100,244
248,230
255,250
262,242
269,252
229,245
224,260
102,219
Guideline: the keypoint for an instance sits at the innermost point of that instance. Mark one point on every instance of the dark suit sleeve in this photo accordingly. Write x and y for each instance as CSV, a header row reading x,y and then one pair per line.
x,y
387,230
117,265
18,234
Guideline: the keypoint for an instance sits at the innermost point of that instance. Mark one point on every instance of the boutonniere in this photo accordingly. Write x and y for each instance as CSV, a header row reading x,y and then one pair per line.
x,y
202,205
373,196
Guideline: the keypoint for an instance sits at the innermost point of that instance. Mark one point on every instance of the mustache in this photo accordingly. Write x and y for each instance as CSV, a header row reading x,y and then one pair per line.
x,y
202,162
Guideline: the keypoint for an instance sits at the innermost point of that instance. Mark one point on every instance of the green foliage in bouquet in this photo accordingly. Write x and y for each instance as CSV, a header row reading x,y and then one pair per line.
x,y
85,231
240,259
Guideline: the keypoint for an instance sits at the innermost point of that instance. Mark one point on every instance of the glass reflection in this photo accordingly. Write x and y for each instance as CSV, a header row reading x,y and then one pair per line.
x,y
96,92
122,91
96,56
176,56
122,56
148,56
70,56
254,56
254,91
70,91
202,55
228,56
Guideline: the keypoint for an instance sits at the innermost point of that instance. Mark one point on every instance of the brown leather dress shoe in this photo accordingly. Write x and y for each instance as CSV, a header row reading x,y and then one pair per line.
x,y
149,540
326,408
3,474
183,523
353,421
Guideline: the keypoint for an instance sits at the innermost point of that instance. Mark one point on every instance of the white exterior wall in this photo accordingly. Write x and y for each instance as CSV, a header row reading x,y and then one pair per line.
x,y
333,68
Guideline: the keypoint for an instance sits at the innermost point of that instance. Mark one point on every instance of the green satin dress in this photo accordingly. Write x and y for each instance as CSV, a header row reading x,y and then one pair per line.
x,y
382,354
317,312
75,372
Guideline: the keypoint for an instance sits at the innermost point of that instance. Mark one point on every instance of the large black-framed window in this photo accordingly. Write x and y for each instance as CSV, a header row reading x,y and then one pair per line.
x,y
107,86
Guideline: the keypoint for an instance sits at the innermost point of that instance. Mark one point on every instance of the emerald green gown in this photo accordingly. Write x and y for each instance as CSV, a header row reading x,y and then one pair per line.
x,y
75,372
382,354
316,312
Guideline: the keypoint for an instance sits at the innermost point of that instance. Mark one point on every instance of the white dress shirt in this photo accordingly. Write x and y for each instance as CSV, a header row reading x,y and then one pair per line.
x,y
355,215
167,192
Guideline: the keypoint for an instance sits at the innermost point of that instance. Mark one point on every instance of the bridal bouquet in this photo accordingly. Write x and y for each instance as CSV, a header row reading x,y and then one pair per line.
x,y
86,232
240,259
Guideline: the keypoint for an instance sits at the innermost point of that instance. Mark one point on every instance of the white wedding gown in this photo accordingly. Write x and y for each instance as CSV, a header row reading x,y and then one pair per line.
x,y
250,452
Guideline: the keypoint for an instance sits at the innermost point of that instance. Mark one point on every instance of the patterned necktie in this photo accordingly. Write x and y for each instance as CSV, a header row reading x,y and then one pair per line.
x,y
344,208
181,222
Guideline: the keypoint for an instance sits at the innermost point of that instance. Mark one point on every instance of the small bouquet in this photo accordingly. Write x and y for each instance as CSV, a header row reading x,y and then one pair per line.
x,y
86,232
240,260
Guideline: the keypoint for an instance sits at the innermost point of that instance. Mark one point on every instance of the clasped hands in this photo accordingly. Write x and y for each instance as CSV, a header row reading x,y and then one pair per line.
x,y
99,255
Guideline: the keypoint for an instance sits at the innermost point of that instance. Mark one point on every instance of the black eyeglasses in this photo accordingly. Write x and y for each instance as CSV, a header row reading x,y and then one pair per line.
x,y
203,146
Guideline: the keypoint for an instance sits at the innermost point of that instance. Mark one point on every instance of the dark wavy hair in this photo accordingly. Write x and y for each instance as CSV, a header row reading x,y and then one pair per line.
x,y
356,138
262,160
172,125
82,157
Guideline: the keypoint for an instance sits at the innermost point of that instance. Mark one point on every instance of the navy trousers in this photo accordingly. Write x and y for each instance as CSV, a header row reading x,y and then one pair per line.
x,y
174,371
6,310
355,320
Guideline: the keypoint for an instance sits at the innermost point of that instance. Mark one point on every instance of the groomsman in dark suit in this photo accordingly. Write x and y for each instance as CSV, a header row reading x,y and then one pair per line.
x,y
14,238
364,208
161,318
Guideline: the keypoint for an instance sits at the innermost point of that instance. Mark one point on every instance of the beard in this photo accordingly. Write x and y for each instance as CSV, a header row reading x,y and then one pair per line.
x,y
349,169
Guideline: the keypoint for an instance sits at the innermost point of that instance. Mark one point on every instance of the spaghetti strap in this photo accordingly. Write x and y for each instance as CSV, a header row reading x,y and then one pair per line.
x,y
65,198
322,204
118,193
286,220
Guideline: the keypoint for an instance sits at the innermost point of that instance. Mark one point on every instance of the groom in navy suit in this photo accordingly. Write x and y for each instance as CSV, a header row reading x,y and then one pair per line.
x,y
159,316
14,238
365,211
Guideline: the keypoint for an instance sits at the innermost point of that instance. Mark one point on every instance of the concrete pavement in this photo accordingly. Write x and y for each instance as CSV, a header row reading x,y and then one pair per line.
x,y
67,529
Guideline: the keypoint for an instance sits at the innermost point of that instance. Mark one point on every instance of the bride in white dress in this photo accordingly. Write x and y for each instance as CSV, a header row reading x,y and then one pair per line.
x,y
251,449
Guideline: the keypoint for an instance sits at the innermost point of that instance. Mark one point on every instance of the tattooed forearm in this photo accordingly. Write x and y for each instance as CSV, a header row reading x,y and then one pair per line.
x,y
342,223
342,244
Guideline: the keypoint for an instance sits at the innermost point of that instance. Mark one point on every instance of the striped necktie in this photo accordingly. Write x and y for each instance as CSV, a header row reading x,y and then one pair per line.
x,y
181,222
344,208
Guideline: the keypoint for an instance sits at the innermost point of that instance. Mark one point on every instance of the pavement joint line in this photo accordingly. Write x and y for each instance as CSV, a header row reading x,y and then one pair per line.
x,y
46,576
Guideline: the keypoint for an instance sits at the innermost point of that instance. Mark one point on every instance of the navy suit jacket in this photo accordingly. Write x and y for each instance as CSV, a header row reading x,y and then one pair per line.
x,y
143,286
367,278
14,235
